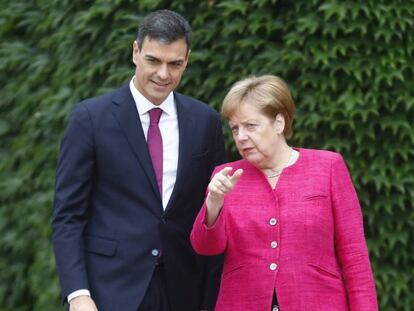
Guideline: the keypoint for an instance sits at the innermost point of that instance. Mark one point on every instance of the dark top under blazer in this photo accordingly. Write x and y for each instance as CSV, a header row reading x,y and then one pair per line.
x,y
108,215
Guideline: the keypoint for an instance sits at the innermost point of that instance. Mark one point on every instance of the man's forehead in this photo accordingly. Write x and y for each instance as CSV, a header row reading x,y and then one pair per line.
x,y
156,41
172,51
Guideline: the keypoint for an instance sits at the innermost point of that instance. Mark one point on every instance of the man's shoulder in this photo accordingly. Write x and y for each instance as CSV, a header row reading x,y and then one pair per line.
x,y
194,104
109,97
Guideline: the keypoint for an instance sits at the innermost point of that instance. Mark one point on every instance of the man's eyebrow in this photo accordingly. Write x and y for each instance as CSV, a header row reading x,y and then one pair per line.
x,y
149,56
177,61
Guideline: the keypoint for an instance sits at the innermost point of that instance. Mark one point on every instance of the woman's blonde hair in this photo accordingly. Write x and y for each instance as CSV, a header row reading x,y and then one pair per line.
x,y
270,94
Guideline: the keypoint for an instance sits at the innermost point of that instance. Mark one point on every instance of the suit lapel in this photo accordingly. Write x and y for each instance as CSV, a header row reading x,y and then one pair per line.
x,y
185,127
125,112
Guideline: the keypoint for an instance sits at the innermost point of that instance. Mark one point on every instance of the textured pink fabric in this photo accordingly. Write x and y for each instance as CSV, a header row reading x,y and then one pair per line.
x,y
321,254
154,141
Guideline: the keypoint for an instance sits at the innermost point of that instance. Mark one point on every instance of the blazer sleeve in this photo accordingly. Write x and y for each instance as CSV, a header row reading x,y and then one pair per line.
x,y
219,155
72,193
208,241
214,264
350,242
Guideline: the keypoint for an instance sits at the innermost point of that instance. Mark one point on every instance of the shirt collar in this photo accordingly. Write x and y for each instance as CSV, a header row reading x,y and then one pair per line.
x,y
144,105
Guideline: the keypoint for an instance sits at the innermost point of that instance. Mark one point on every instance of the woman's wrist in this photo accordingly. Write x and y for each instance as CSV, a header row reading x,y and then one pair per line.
x,y
213,208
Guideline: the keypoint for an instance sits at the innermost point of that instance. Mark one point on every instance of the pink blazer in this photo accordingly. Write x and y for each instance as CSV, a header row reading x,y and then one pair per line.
x,y
304,239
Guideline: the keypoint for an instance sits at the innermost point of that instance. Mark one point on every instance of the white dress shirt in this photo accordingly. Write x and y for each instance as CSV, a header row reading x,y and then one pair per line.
x,y
169,131
168,125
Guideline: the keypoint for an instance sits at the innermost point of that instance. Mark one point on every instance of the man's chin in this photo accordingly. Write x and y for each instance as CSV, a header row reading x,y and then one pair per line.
x,y
157,98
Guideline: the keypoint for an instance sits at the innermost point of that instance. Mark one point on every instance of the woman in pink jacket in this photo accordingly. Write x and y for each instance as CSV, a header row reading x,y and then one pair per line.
x,y
287,219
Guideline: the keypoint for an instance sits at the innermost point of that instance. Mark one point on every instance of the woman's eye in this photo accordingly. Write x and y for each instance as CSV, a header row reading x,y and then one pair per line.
x,y
251,126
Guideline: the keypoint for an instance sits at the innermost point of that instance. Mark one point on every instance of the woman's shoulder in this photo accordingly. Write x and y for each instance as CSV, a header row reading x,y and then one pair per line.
x,y
321,157
319,154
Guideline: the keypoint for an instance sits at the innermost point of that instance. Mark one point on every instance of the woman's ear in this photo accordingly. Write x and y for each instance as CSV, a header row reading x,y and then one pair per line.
x,y
279,123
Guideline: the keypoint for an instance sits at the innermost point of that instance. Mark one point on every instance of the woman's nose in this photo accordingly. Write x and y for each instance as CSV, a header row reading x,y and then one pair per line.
x,y
241,135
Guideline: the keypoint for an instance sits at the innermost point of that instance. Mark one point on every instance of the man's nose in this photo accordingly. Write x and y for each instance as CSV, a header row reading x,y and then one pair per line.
x,y
163,71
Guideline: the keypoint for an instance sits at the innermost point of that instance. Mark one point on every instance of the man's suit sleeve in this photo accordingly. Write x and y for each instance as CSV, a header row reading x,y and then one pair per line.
x,y
219,155
74,176
214,264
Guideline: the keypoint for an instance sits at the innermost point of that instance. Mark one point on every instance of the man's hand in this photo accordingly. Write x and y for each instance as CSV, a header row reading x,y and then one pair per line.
x,y
82,303
221,184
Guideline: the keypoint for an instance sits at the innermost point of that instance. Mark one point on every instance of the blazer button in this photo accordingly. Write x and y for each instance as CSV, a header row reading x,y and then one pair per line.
x,y
273,266
272,221
273,244
155,252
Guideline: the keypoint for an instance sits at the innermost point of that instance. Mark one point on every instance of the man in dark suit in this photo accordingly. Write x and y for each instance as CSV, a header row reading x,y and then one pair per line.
x,y
131,177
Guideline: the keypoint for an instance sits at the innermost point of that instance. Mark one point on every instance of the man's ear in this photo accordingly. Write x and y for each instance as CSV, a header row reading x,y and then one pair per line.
x,y
279,123
135,52
187,58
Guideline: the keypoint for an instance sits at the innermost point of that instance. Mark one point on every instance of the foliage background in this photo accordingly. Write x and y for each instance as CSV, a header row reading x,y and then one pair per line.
x,y
349,65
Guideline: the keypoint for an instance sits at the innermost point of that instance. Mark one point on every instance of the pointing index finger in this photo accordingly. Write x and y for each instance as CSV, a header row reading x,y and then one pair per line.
x,y
226,171
236,176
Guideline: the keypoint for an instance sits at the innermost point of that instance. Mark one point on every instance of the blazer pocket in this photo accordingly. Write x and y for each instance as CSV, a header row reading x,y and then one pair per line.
x,y
100,246
314,196
231,271
324,271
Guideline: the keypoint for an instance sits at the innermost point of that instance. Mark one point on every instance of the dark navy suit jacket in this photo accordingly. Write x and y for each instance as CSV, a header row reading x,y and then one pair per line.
x,y
108,217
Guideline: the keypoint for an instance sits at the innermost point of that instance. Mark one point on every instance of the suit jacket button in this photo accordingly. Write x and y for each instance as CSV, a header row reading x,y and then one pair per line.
x,y
155,252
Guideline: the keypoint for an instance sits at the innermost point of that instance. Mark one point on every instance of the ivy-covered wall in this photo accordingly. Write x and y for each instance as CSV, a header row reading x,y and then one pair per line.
x,y
349,64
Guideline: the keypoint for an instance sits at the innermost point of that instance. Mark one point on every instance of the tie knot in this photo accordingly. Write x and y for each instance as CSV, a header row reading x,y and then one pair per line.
x,y
155,115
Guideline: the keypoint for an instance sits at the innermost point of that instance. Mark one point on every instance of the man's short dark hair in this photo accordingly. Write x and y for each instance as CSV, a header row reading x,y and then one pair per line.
x,y
166,26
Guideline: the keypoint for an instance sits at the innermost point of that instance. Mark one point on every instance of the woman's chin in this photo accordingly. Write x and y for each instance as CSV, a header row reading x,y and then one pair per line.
x,y
254,160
